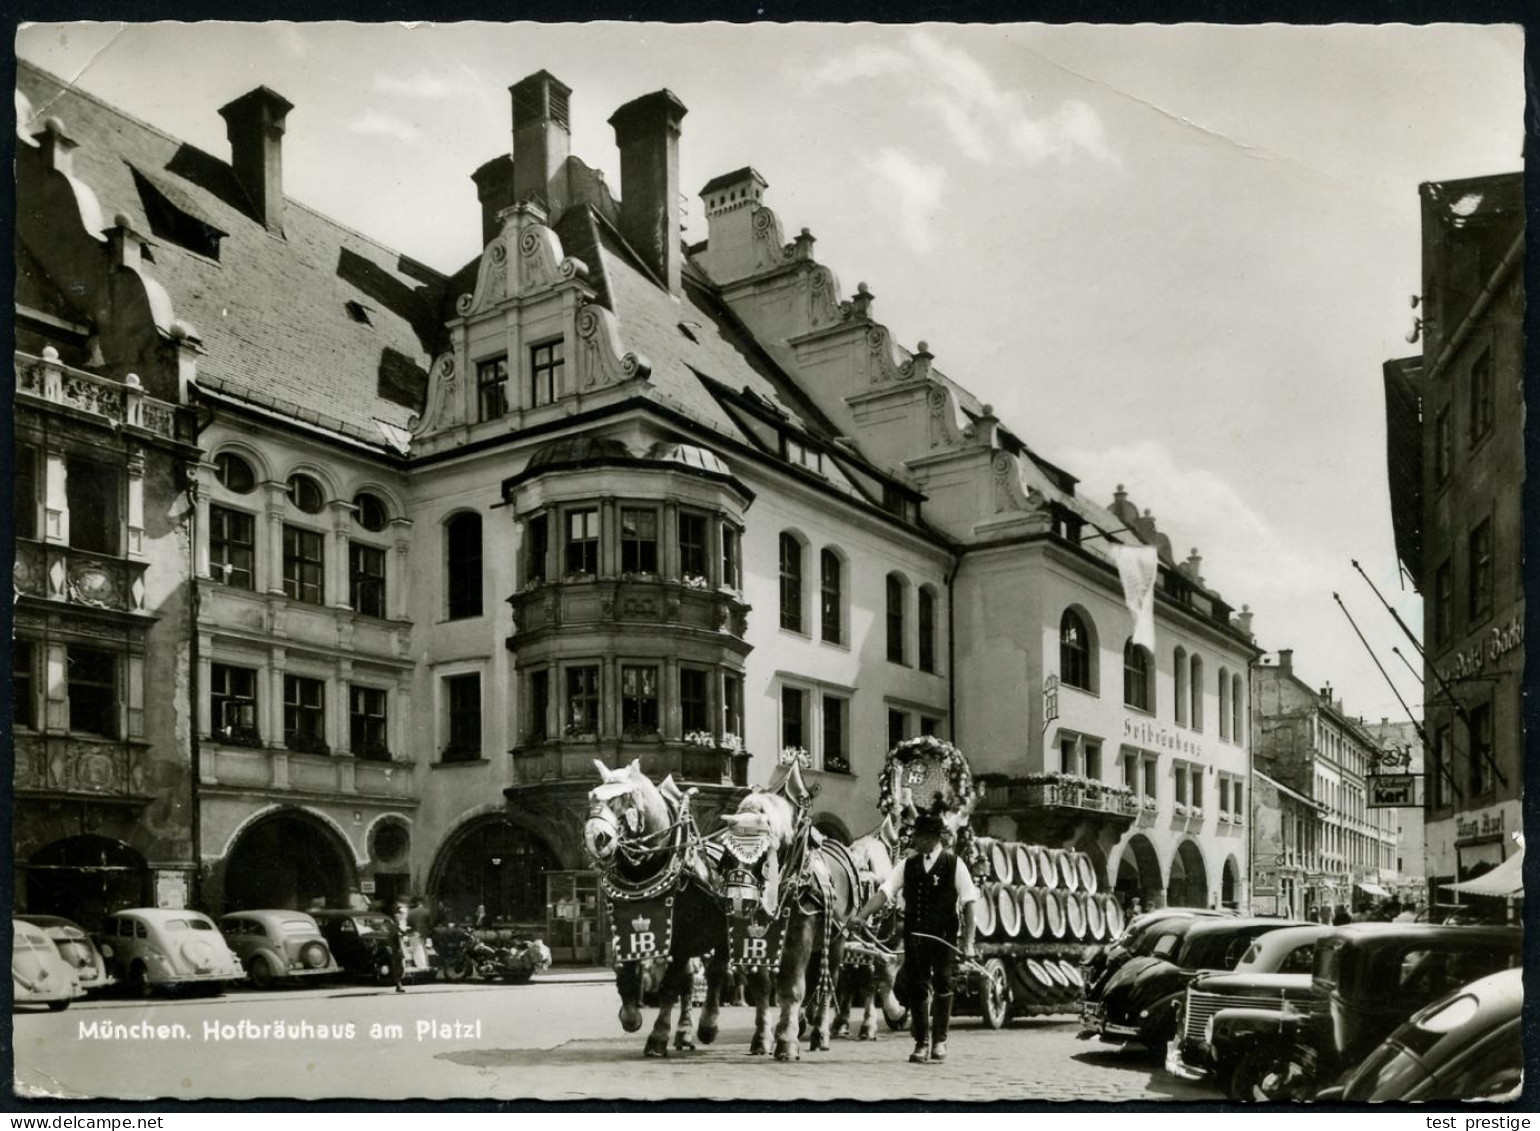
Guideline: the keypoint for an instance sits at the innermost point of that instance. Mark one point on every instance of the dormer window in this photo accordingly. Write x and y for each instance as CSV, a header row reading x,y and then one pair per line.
x,y
800,455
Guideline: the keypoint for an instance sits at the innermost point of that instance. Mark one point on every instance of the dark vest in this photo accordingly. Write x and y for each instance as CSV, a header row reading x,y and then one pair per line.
x,y
930,898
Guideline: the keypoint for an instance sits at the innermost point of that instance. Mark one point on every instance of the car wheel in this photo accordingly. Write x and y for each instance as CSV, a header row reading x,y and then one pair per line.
x,y
995,995
261,972
139,981
59,1006
1161,1025
1267,1073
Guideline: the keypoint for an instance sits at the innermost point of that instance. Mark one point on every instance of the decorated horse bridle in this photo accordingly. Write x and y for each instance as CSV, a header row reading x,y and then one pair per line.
x,y
636,847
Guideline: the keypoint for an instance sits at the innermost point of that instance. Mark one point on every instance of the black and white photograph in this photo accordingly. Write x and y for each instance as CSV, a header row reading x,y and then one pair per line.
x,y
768,562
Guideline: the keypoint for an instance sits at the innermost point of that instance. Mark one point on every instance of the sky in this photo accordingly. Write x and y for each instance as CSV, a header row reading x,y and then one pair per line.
x,y
1172,257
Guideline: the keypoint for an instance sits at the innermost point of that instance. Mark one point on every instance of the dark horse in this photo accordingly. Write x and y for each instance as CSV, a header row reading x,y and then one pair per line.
x,y
867,975
791,893
641,839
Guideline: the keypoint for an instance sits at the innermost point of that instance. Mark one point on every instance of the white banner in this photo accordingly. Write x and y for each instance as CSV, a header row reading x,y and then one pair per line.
x,y
1138,566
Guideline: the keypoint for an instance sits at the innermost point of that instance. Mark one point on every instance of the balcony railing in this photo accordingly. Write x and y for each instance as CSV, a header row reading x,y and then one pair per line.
x,y
573,760
121,402
1019,794
79,577
87,767
589,603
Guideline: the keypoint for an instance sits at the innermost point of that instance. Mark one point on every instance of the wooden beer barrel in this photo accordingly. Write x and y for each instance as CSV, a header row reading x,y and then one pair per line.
x,y
1052,967
1025,862
1074,911
1087,873
1039,973
1000,862
984,913
1032,924
1047,867
1053,913
1069,971
1007,911
1069,879
1095,918
1114,911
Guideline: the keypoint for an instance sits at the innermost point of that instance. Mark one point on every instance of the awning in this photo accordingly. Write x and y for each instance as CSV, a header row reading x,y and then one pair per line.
x,y
1504,880
1373,889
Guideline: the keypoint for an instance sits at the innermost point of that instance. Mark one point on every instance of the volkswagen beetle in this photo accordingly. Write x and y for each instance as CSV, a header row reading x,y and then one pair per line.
x,y
151,948
277,946
38,974
76,948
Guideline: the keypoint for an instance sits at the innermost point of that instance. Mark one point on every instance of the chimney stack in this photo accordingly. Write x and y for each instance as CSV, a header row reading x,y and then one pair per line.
x,y
542,141
494,188
647,134
254,122
1286,661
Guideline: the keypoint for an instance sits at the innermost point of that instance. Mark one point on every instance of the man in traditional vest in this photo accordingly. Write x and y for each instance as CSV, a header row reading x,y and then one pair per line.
x,y
937,894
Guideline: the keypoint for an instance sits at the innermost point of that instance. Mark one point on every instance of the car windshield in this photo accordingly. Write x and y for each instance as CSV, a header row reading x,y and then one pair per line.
x,y
372,925
297,927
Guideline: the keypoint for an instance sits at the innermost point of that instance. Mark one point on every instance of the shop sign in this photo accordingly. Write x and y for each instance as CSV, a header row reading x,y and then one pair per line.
x,y
366,887
1488,823
1394,791
1485,650
171,889
1153,736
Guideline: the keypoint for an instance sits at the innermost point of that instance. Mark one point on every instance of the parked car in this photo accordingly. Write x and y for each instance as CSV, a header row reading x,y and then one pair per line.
x,y
277,945
1224,1013
1138,938
1467,1046
38,974
151,948
1368,978
360,942
76,948
1139,1001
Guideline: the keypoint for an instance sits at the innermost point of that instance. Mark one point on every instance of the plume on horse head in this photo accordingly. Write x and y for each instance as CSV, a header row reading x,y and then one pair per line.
x,y
875,852
626,806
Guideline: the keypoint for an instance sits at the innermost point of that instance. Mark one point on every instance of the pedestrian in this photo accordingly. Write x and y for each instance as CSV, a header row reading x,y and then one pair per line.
x,y
937,894
419,918
394,944
1341,918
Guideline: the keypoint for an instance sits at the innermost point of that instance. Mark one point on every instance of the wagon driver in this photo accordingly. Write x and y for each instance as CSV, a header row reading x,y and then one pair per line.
x,y
937,895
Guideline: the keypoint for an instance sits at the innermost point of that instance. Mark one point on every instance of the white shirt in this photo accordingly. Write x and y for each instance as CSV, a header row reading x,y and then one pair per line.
x,y
967,890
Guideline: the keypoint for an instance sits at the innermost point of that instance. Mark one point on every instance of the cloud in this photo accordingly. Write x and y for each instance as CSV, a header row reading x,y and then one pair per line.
x,y
460,82
987,123
918,189
378,124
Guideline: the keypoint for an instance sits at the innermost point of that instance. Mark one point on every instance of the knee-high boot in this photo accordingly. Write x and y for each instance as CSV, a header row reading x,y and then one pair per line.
x,y
940,1018
919,1024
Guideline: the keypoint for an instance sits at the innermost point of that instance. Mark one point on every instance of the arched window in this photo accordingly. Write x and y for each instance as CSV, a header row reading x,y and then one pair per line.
x,y
371,513
1238,709
1196,683
895,605
1179,682
1224,703
306,494
791,583
1138,691
462,538
831,577
234,473
1075,651
927,626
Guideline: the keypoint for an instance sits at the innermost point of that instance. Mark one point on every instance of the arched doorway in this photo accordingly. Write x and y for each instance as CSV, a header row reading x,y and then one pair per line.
x,y
86,878
1188,886
1230,884
1137,885
498,866
289,859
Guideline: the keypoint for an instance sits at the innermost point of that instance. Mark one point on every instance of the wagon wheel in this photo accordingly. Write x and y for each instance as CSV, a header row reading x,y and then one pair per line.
x,y
994,994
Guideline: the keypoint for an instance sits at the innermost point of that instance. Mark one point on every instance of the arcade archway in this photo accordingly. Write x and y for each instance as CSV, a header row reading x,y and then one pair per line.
x,y
1138,884
288,859
1188,885
1230,884
85,878
497,866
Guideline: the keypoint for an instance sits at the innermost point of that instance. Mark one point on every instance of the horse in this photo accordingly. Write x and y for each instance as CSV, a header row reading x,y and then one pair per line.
x,y
791,892
640,838
869,981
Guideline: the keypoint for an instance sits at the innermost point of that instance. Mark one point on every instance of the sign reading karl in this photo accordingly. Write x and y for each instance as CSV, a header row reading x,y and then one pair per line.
x,y
1394,791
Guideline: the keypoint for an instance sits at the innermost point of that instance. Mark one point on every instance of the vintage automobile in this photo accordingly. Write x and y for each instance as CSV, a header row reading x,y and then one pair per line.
x,y
1140,1000
38,974
1222,1013
76,948
1138,938
1467,1046
1368,978
278,946
360,942
150,948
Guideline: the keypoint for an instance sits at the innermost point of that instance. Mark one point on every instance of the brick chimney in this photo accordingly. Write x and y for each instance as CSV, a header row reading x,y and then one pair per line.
x,y
254,122
1286,661
730,202
647,134
542,141
494,188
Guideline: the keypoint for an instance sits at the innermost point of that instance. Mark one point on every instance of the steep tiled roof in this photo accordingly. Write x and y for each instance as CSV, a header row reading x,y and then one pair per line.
x,y
271,312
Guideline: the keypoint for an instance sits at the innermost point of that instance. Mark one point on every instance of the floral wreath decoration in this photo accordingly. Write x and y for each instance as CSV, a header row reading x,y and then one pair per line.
x,y
906,765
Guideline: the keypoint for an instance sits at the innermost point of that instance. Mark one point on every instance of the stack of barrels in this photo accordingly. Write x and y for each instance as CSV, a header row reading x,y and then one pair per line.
x,y
1033,894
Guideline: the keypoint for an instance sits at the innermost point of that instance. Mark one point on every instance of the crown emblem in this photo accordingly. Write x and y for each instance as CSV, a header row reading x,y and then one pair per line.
x,y
639,924
758,930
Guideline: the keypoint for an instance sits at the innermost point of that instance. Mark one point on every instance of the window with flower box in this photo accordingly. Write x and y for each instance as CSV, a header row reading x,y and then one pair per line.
x,y
793,718
835,751
692,546
638,701
368,726
233,705
694,710
638,541
304,715
539,546
582,549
